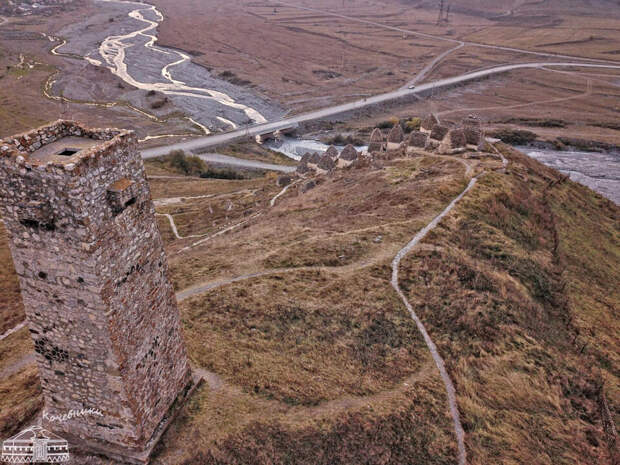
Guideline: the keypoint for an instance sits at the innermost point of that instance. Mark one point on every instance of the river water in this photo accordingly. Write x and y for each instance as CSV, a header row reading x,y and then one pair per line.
x,y
122,37
296,148
599,171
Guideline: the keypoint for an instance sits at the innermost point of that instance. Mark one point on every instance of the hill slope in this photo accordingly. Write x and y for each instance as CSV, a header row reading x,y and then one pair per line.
x,y
310,356
516,287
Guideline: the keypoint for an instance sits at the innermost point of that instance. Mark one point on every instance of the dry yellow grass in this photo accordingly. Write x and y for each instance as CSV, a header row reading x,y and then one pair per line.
x,y
322,364
11,309
20,390
505,294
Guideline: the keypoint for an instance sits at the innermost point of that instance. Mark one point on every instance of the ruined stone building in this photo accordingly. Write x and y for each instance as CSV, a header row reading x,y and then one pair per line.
x,y
95,285
395,137
377,141
429,123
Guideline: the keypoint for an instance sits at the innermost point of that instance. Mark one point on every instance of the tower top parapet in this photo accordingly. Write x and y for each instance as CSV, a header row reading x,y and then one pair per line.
x,y
63,145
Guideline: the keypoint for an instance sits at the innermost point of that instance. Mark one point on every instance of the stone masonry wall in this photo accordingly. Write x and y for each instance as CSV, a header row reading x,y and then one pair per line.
x,y
94,278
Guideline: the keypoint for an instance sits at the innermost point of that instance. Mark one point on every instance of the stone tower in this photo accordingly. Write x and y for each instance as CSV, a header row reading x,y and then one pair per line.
x,y
94,278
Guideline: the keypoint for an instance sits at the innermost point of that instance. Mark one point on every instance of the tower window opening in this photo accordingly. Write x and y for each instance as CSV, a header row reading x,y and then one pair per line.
x,y
68,152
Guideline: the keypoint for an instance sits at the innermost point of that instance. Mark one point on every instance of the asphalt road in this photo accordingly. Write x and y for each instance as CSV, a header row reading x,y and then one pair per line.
x,y
203,143
219,159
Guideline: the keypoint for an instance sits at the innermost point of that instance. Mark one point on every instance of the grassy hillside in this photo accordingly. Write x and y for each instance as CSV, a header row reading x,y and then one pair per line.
x,y
521,295
318,362
517,287
11,310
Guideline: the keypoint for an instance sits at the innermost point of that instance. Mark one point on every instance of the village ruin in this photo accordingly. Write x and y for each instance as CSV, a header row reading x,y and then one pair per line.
x,y
432,136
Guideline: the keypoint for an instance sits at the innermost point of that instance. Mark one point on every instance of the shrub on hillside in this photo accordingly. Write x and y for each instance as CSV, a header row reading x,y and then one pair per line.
x,y
186,164
226,173
412,125
339,139
514,136
388,124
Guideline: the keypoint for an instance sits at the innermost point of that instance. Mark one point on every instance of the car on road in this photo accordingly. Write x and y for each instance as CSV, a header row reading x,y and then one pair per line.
x,y
411,87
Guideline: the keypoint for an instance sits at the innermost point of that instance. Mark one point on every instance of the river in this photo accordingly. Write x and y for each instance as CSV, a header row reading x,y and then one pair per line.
x,y
599,171
296,148
122,37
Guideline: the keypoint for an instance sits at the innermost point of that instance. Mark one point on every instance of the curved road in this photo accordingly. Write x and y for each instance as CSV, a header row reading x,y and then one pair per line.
x,y
445,39
219,159
428,68
210,141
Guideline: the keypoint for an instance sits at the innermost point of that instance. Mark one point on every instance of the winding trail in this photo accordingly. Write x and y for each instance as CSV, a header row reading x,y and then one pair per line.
x,y
438,360
202,288
428,68
451,392
445,39
164,202
585,93
173,226
219,233
281,193
12,330
227,160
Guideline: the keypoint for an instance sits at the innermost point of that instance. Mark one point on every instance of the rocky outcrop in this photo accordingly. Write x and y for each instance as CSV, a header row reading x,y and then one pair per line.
x,y
377,141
